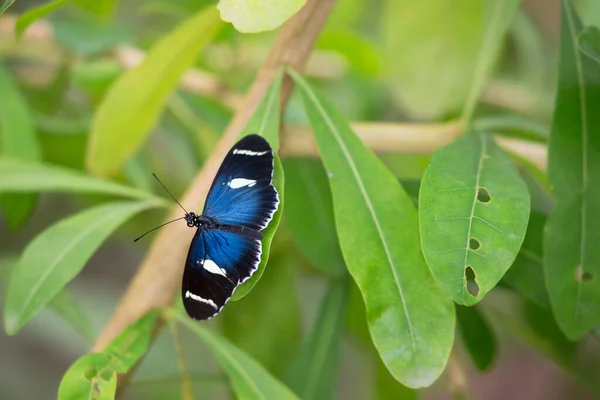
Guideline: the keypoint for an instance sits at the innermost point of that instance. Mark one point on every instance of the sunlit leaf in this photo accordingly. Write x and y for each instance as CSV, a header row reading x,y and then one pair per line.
x,y
251,16
134,103
571,257
410,319
19,140
265,122
32,15
57,255
313,374
94,375
248,378
473,211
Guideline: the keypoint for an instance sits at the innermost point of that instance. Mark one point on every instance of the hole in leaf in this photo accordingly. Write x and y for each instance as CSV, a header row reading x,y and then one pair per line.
x,y
474,244
472,286
90,373
106,375
483,195
583,276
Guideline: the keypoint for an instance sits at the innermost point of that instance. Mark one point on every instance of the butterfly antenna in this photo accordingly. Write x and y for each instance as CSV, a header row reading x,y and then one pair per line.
x,y
167,190
160,226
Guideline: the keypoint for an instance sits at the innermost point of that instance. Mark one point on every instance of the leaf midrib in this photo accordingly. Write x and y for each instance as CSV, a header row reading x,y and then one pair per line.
x,y
368,202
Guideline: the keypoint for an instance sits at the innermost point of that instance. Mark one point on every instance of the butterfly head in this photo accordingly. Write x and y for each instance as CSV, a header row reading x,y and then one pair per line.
x,y
192,219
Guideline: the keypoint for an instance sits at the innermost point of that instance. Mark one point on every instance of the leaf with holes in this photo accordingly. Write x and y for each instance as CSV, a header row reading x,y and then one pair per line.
x,y
265,122
314,371
249,379
18,139
473,211
57,255
572,259
251,16
94,375
410,319
134,103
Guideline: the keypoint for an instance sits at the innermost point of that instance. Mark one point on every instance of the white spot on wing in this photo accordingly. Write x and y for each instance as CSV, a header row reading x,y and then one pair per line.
x,y
193,296
241,182
249,152
213,268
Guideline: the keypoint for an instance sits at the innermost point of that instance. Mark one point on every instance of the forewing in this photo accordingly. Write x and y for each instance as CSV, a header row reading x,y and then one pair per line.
x,y
242,192
217,262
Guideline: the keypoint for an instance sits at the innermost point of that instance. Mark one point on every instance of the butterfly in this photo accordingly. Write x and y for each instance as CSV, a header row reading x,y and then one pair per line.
x,y
226,248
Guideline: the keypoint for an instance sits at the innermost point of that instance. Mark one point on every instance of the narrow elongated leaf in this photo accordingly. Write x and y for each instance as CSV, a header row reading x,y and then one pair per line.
x,y
313,374
249,379
309,214
57,255
267,323
18,140
29,17
22,176
410,319
589,42
5,4
477,336
94,375
526,275
251,16
133,104
572,259
265,122
473,211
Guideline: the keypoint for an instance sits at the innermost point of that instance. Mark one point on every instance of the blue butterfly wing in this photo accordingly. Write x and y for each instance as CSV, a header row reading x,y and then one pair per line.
x,y
218,261
243,192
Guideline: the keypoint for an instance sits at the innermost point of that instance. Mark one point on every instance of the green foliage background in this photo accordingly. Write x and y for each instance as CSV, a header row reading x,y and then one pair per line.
x,y
439,166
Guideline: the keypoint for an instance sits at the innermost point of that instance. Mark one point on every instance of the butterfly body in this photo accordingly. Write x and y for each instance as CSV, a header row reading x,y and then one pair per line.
x,y
226,249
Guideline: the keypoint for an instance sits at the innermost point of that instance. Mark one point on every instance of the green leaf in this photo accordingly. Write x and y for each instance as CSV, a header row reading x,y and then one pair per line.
x,y
71,311
21,176
389,388
56,256
5,4
473,211
267,329
477,336
309,214
265,122
101,7
417,36
410,319
94,376
589,42
314,372
251,16
32,15
571,258
134,103
516,126
248,378
87,35
526,275
18,140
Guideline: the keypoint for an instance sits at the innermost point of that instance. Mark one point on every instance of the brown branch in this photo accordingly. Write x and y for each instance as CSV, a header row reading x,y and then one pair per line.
x,y
409,138
159,277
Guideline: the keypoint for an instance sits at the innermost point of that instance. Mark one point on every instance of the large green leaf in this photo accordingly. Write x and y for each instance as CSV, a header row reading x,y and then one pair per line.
x,y
526,275
56,256
249,379
473,211
572,259
462,36
313,374
22,176
32,15
251,16
267,323
411,321
134,103
18,140
94,375
309,214
265,122
478,337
